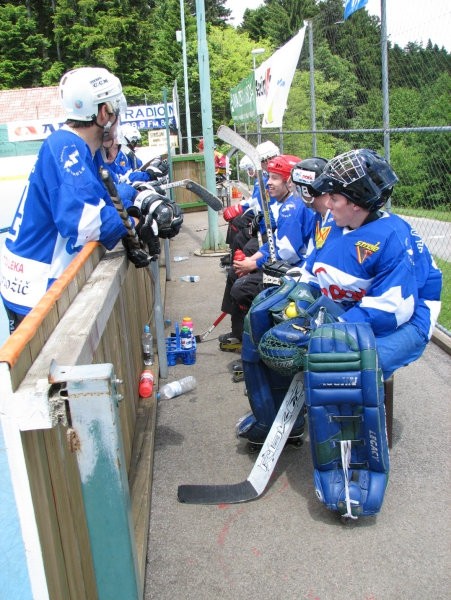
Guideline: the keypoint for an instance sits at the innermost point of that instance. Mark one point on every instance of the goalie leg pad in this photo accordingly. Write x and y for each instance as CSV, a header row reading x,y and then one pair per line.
x,y
266,390
345,407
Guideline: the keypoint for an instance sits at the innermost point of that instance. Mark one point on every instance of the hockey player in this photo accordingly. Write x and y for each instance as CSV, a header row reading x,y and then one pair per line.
x,y
65,204
379,270
293,229
241,215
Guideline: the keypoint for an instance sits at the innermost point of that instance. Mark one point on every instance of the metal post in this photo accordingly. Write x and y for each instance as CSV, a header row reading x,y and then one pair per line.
x,y
97,443
312,87
385,93
185,79
213,240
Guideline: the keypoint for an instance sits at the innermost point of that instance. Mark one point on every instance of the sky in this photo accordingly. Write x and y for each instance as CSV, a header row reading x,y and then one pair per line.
x,y
407,20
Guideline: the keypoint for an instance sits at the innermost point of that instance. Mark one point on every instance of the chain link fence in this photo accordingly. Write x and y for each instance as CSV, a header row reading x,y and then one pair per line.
x,y
336,103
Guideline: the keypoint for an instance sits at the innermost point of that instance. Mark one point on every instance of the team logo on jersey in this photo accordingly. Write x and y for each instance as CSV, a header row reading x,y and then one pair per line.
x,y
365,250
70,159
321,234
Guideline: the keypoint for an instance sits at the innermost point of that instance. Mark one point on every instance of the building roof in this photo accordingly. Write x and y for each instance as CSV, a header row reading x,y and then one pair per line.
x,y
30,104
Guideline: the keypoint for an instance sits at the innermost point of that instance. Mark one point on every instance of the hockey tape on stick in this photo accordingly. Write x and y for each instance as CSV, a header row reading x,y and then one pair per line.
x,y
234,139
112,191
213,201
263,468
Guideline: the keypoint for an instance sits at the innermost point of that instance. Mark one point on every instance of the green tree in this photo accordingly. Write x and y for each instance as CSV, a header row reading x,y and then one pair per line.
x,y
22,48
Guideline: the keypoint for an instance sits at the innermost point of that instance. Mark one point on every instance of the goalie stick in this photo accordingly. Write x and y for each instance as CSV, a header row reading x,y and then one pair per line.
x,y
263,468
234,139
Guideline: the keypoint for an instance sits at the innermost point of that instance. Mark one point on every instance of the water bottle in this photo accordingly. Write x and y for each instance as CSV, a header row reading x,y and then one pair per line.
x,y
186,338
188,322
239,255
147,345
192,278
180,258
146,380
175,388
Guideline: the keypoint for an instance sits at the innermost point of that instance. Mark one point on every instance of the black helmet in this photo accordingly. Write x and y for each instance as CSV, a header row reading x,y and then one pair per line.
x,y
363,176
306,171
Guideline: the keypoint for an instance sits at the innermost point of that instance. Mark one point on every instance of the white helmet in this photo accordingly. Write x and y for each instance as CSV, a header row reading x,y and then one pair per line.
x,y
267,150
82,90
129,134
246,163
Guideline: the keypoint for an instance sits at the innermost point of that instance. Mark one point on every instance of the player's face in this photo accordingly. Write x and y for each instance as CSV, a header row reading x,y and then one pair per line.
x,y
342,210
277,186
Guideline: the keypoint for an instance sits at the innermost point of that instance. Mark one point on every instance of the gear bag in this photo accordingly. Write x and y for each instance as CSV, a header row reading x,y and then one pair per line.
x,y
345,406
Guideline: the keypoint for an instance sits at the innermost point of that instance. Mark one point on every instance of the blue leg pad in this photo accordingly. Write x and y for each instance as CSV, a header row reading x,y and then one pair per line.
x,y
346,415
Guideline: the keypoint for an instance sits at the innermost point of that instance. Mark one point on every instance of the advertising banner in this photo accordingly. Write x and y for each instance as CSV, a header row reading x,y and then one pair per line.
x,y
273,80
242,101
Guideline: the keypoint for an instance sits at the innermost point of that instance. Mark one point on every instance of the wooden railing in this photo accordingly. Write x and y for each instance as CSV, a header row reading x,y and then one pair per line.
x,y
93,314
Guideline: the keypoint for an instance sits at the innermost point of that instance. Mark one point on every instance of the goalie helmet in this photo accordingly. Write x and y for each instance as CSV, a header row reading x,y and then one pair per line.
x,y
304,172
282,165
267,150
167,214
362,176
82,90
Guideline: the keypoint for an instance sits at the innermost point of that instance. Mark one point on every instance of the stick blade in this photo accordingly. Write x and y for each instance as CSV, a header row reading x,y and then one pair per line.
x,y
213,201
233,493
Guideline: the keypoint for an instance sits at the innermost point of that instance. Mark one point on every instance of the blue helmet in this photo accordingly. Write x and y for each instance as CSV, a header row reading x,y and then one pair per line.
x,y
364,177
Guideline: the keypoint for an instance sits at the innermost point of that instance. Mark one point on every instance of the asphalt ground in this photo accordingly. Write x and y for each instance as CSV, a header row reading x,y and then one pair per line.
x,y
286,544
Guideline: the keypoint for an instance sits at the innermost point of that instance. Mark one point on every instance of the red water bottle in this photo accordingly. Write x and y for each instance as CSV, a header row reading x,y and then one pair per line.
x,y
239,255
146,383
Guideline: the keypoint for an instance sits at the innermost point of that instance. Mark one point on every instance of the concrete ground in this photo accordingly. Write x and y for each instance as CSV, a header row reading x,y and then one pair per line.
x,y
286,544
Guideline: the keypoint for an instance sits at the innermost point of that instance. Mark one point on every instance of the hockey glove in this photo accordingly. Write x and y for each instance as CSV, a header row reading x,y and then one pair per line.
x,y
137,256
254,226
153,173
277,268
232,211
148,233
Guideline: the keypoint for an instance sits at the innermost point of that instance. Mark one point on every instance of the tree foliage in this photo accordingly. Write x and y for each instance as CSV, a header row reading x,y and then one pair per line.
x,y
41,39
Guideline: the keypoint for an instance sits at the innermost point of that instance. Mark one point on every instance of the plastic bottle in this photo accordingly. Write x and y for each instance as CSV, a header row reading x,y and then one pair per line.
x,y
180,258
186,338
239,255
146,380
193,278
291,311
175,388
188,322
147,345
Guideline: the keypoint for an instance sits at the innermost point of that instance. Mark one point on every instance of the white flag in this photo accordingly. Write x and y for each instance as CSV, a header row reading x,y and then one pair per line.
x,y
274,78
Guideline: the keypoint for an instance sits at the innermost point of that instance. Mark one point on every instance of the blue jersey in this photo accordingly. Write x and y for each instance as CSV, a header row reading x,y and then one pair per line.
x,y
370,271
64,205
294,226
429,283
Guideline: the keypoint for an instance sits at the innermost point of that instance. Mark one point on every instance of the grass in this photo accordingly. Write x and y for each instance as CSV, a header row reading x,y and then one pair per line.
x,y
438,214
445,314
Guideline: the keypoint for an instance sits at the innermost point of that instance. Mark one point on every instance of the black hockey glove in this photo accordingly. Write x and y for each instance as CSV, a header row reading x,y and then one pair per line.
x,y
137,256
254,225
278,268
148,233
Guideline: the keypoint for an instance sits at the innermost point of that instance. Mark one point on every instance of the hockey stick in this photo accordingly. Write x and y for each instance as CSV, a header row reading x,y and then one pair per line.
x,y
234,139
112,191
213,201
263,468
203,336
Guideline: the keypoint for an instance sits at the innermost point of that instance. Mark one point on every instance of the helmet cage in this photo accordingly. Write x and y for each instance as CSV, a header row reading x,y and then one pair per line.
x,y
362,176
